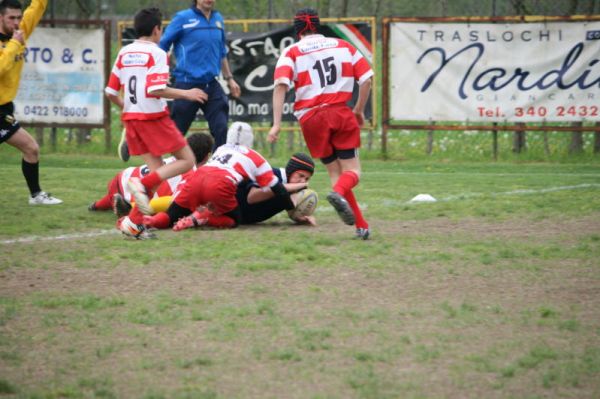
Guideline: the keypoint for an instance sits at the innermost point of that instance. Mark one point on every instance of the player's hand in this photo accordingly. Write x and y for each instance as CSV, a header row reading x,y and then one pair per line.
x,y
19,36
360,117
295,187
234,88
310,220
273,135
196,94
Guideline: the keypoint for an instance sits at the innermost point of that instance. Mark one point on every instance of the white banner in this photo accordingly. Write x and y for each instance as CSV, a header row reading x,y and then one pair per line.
x,y
63,77
526,72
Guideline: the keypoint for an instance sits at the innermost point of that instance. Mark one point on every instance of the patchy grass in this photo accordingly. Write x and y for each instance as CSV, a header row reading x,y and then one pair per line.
x,y
490,292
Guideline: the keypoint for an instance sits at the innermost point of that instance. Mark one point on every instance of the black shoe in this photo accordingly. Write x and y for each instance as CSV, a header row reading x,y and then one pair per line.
x,y
92,207
120,206
362,233
342,207
123,148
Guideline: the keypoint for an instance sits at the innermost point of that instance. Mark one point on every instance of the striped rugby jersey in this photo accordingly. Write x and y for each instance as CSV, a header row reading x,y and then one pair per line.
x,y
322,70
140,68
243,163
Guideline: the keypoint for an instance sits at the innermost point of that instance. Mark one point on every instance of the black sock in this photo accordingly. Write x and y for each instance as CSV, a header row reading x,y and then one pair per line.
x,y
31,172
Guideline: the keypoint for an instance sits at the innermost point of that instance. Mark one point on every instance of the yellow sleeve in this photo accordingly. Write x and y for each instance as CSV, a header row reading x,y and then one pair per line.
x,y
8,54
32,16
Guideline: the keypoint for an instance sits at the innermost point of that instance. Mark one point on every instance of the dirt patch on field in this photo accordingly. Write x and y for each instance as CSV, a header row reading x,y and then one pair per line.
x,y
420,325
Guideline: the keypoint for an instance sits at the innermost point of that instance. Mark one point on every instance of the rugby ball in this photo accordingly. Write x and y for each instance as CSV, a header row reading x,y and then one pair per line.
x,y
306,203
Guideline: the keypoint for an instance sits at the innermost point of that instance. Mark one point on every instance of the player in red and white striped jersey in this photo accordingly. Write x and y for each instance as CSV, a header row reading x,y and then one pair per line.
x,y
201,145
323,71
214,184
141,71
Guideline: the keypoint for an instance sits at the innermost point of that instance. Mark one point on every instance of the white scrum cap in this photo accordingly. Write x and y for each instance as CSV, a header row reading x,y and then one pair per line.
x,y
240,133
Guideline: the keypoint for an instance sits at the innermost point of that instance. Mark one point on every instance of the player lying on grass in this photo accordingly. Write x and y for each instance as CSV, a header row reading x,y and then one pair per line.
x,y
257,204
214,185
119,198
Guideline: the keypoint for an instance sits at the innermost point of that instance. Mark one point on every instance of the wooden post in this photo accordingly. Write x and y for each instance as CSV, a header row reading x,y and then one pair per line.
x,y
597,140
39,135
429,148
495,142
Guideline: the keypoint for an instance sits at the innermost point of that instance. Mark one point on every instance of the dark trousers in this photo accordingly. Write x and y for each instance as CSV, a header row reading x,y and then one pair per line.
x,y
215,109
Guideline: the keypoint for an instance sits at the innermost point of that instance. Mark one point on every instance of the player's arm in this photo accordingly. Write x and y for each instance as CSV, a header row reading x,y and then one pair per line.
x,y
278,99
32,16
113,87
8,54
171,33
234,88
364,90
115,99
158,77
173,93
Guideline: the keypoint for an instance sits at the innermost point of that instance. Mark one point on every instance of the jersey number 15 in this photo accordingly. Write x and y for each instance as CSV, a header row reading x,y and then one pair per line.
x,y
327,71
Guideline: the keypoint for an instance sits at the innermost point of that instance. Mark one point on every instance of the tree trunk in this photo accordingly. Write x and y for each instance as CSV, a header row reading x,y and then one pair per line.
x,y
573,7
324,13
344,8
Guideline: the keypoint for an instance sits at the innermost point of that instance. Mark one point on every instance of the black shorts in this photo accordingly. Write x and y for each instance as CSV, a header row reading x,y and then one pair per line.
x,y
8,124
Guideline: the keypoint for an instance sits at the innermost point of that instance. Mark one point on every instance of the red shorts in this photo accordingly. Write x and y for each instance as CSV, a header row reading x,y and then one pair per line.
x,y
211,187
329,128
155,136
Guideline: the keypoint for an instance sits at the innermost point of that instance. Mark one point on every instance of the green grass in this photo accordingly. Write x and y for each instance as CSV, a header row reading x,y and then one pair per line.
x,y
490,292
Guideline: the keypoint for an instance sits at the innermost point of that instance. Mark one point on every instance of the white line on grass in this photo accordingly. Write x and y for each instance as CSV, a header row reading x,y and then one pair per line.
x,y
513,192
458,173
73,236
320,209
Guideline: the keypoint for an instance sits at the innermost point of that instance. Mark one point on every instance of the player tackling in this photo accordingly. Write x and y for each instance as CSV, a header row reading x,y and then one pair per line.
x,y
323,71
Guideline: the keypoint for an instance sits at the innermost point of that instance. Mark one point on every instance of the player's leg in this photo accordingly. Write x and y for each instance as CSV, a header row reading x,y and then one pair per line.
x,y
345,139
349,179
123,148
106,202
142,189
185,160
183,112
157,137
216,112
30,165
337,198
163,220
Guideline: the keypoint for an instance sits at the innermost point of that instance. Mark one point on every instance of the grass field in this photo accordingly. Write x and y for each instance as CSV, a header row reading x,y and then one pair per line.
x,y
491,292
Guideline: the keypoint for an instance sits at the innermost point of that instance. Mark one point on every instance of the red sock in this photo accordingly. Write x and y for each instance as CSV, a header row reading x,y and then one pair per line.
x,y
160,221
222,222
150,181
105,202
345,183
136,216
360,220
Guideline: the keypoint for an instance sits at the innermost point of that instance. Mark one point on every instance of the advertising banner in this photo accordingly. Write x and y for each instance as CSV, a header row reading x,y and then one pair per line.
x,y
63,78
484,72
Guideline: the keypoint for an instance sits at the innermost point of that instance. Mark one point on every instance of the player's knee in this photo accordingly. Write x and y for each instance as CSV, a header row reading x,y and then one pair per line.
x,y
31,151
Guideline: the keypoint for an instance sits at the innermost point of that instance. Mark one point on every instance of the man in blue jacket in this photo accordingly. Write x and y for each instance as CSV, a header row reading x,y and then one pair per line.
x,y
197,38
